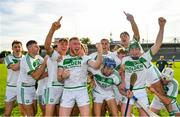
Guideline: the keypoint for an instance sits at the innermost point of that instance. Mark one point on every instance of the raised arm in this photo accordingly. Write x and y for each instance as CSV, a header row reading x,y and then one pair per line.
x,y
155,48
97,63
134,26
55,26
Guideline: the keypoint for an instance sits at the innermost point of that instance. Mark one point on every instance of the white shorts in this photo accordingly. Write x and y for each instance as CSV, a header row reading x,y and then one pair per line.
x,y
140,95
11,94
26,95
99,97
153,75
157,104
80,96
41,97
53,94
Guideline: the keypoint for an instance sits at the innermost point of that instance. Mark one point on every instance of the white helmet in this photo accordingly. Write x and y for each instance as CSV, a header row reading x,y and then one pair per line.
x,y
168,73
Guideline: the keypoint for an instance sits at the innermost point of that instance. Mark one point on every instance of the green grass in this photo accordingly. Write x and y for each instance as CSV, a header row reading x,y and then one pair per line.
x,y
3,74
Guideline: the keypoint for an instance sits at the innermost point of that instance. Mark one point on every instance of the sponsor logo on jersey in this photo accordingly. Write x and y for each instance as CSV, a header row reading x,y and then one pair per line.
x,y
72,62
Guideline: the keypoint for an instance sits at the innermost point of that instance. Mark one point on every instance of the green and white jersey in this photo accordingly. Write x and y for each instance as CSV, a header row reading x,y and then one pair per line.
x,y
28,65
52,66
104,83
12,75
138,66
171,89
78,71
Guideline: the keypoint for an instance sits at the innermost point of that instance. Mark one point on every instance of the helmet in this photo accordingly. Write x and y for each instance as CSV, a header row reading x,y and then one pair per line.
x,y
168,73
109,62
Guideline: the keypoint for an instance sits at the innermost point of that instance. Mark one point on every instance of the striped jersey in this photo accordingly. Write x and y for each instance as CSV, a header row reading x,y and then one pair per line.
x,y
78,71
28,65
138,66
12,76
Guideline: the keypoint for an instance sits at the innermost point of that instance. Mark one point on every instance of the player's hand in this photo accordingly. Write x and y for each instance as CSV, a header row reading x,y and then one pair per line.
x,y
122,86
56,25
161,21
15,67
66,73
99,47
129,16
44,75
129,94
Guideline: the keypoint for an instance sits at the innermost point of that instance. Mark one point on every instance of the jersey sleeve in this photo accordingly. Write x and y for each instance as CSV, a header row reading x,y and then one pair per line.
x,y
148,55
173,90
28,66
8,61
146,58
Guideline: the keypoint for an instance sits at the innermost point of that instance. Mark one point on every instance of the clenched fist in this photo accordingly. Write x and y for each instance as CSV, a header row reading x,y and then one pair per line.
x,y
162,21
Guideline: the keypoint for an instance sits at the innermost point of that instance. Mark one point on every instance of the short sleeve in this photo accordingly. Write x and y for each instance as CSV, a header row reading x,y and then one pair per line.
x,y
7,61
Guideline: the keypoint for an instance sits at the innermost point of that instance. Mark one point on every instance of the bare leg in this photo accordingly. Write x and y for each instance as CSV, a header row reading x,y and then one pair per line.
x,y
113,107
123,107
35,106
85,110
97,109
64,111
22,110
29,109
8,108
50,109
103,108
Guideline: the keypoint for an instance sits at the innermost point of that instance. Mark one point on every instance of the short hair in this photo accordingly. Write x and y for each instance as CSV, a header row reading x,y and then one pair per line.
x,y
116,47
124,33
74,38
16,42
121,51
29,43
104,39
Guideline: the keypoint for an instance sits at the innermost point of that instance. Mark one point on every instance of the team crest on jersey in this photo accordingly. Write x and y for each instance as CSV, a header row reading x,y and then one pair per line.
x,y
36,63
72,62
103,81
